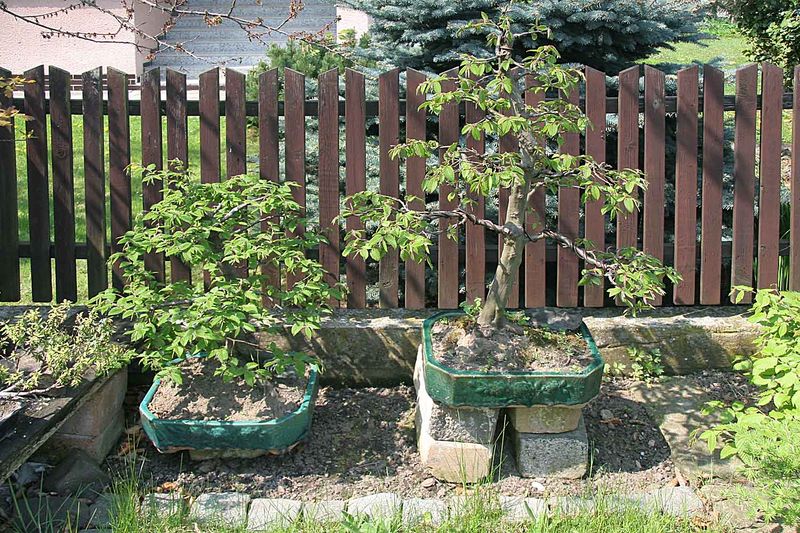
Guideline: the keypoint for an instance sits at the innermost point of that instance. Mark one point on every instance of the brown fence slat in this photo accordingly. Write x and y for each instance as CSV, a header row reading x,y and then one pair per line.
x,y
9,215
448,248
119,158
38,188
209,126
535,252
711,213
63,185
415,173
654,165
476,236
628,147
235,124
769,175
388,137
268,151
95,180
794,226
569,212
177,146
329,173
744,178
355,179
594,220
295,144
152,153
685,258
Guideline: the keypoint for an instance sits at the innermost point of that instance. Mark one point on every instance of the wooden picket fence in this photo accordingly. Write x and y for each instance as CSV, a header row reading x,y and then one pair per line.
x,y
700,256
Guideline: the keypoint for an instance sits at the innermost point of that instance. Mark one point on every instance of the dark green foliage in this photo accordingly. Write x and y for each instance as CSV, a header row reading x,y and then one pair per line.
x,y
604,34
772,29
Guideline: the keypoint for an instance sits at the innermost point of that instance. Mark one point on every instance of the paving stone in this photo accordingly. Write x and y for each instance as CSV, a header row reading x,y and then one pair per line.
x,y
517,509
325,510
163,504
383,505
228,507
53,512
676,501
559,455
545,418
462,424
424,510
77,474
676,405
268,513
570,505
455,462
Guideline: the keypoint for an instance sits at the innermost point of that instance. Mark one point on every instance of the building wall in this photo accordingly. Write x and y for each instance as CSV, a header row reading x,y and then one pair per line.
x,y
22,45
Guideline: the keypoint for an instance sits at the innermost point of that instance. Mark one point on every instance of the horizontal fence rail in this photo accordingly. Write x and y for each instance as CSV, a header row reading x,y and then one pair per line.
x,y
678,140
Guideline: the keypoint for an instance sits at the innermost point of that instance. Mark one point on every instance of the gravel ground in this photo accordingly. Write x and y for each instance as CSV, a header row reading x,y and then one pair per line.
x,y
363,442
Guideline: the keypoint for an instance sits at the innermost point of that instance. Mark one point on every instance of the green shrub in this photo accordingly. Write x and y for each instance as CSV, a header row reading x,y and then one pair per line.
x,y
772,29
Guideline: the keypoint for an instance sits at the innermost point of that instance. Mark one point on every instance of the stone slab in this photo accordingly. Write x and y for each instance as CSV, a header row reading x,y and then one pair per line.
x,y
676,406
424,510
103,509
165,504
381,506
559,455
463,424
227,507
324,511
455,462
267,513
517,509
77,474
545,418
676,501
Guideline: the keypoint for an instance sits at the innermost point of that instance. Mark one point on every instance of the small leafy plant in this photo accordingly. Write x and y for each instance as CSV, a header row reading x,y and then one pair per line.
x,y
235,236
45,352
764,435
646,365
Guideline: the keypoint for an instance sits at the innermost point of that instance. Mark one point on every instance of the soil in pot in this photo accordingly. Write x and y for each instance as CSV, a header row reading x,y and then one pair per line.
x,y
204,396
461,345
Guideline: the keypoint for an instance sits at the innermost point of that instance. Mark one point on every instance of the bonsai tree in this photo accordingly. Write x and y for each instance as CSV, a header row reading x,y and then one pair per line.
x,y
234,237
496,86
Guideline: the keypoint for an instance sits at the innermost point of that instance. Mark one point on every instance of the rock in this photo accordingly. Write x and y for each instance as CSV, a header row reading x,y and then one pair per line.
x,y
267,514
77,474
429,483
376,506
472,425
52,513
676,406
560,455
517,509
228,507
606,414
324,511
545,418
163,504
29,473
554,318
422,510
455,462
676,501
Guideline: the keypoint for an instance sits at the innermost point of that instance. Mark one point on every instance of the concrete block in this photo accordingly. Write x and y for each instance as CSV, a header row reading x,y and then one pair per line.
x,y
381,506
324,511
559,455
227,507
163,505
517,509
267,514
677,501
424,510
545,418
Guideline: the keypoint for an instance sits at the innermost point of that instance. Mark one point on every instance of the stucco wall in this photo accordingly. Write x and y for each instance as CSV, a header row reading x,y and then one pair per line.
x,y
23,46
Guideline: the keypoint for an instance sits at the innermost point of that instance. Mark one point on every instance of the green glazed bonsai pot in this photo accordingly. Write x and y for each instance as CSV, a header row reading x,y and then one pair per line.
x,y
271,436
461,388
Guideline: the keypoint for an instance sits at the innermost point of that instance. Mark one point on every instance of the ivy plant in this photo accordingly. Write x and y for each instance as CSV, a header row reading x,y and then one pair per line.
x,y
495,84
238,238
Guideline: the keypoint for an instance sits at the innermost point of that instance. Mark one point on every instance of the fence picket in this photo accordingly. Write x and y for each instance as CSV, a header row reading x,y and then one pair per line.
x,y
38,187
628,147
569,212
63,185
535,252
769,175
654,165
177,147
355,179
268,152
685,251
744,178
415,173
152,154
119,158
208,108
329,253
235,124
594,220
448,247
476,236
9,215
95,181
388,137
711,213
295,144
